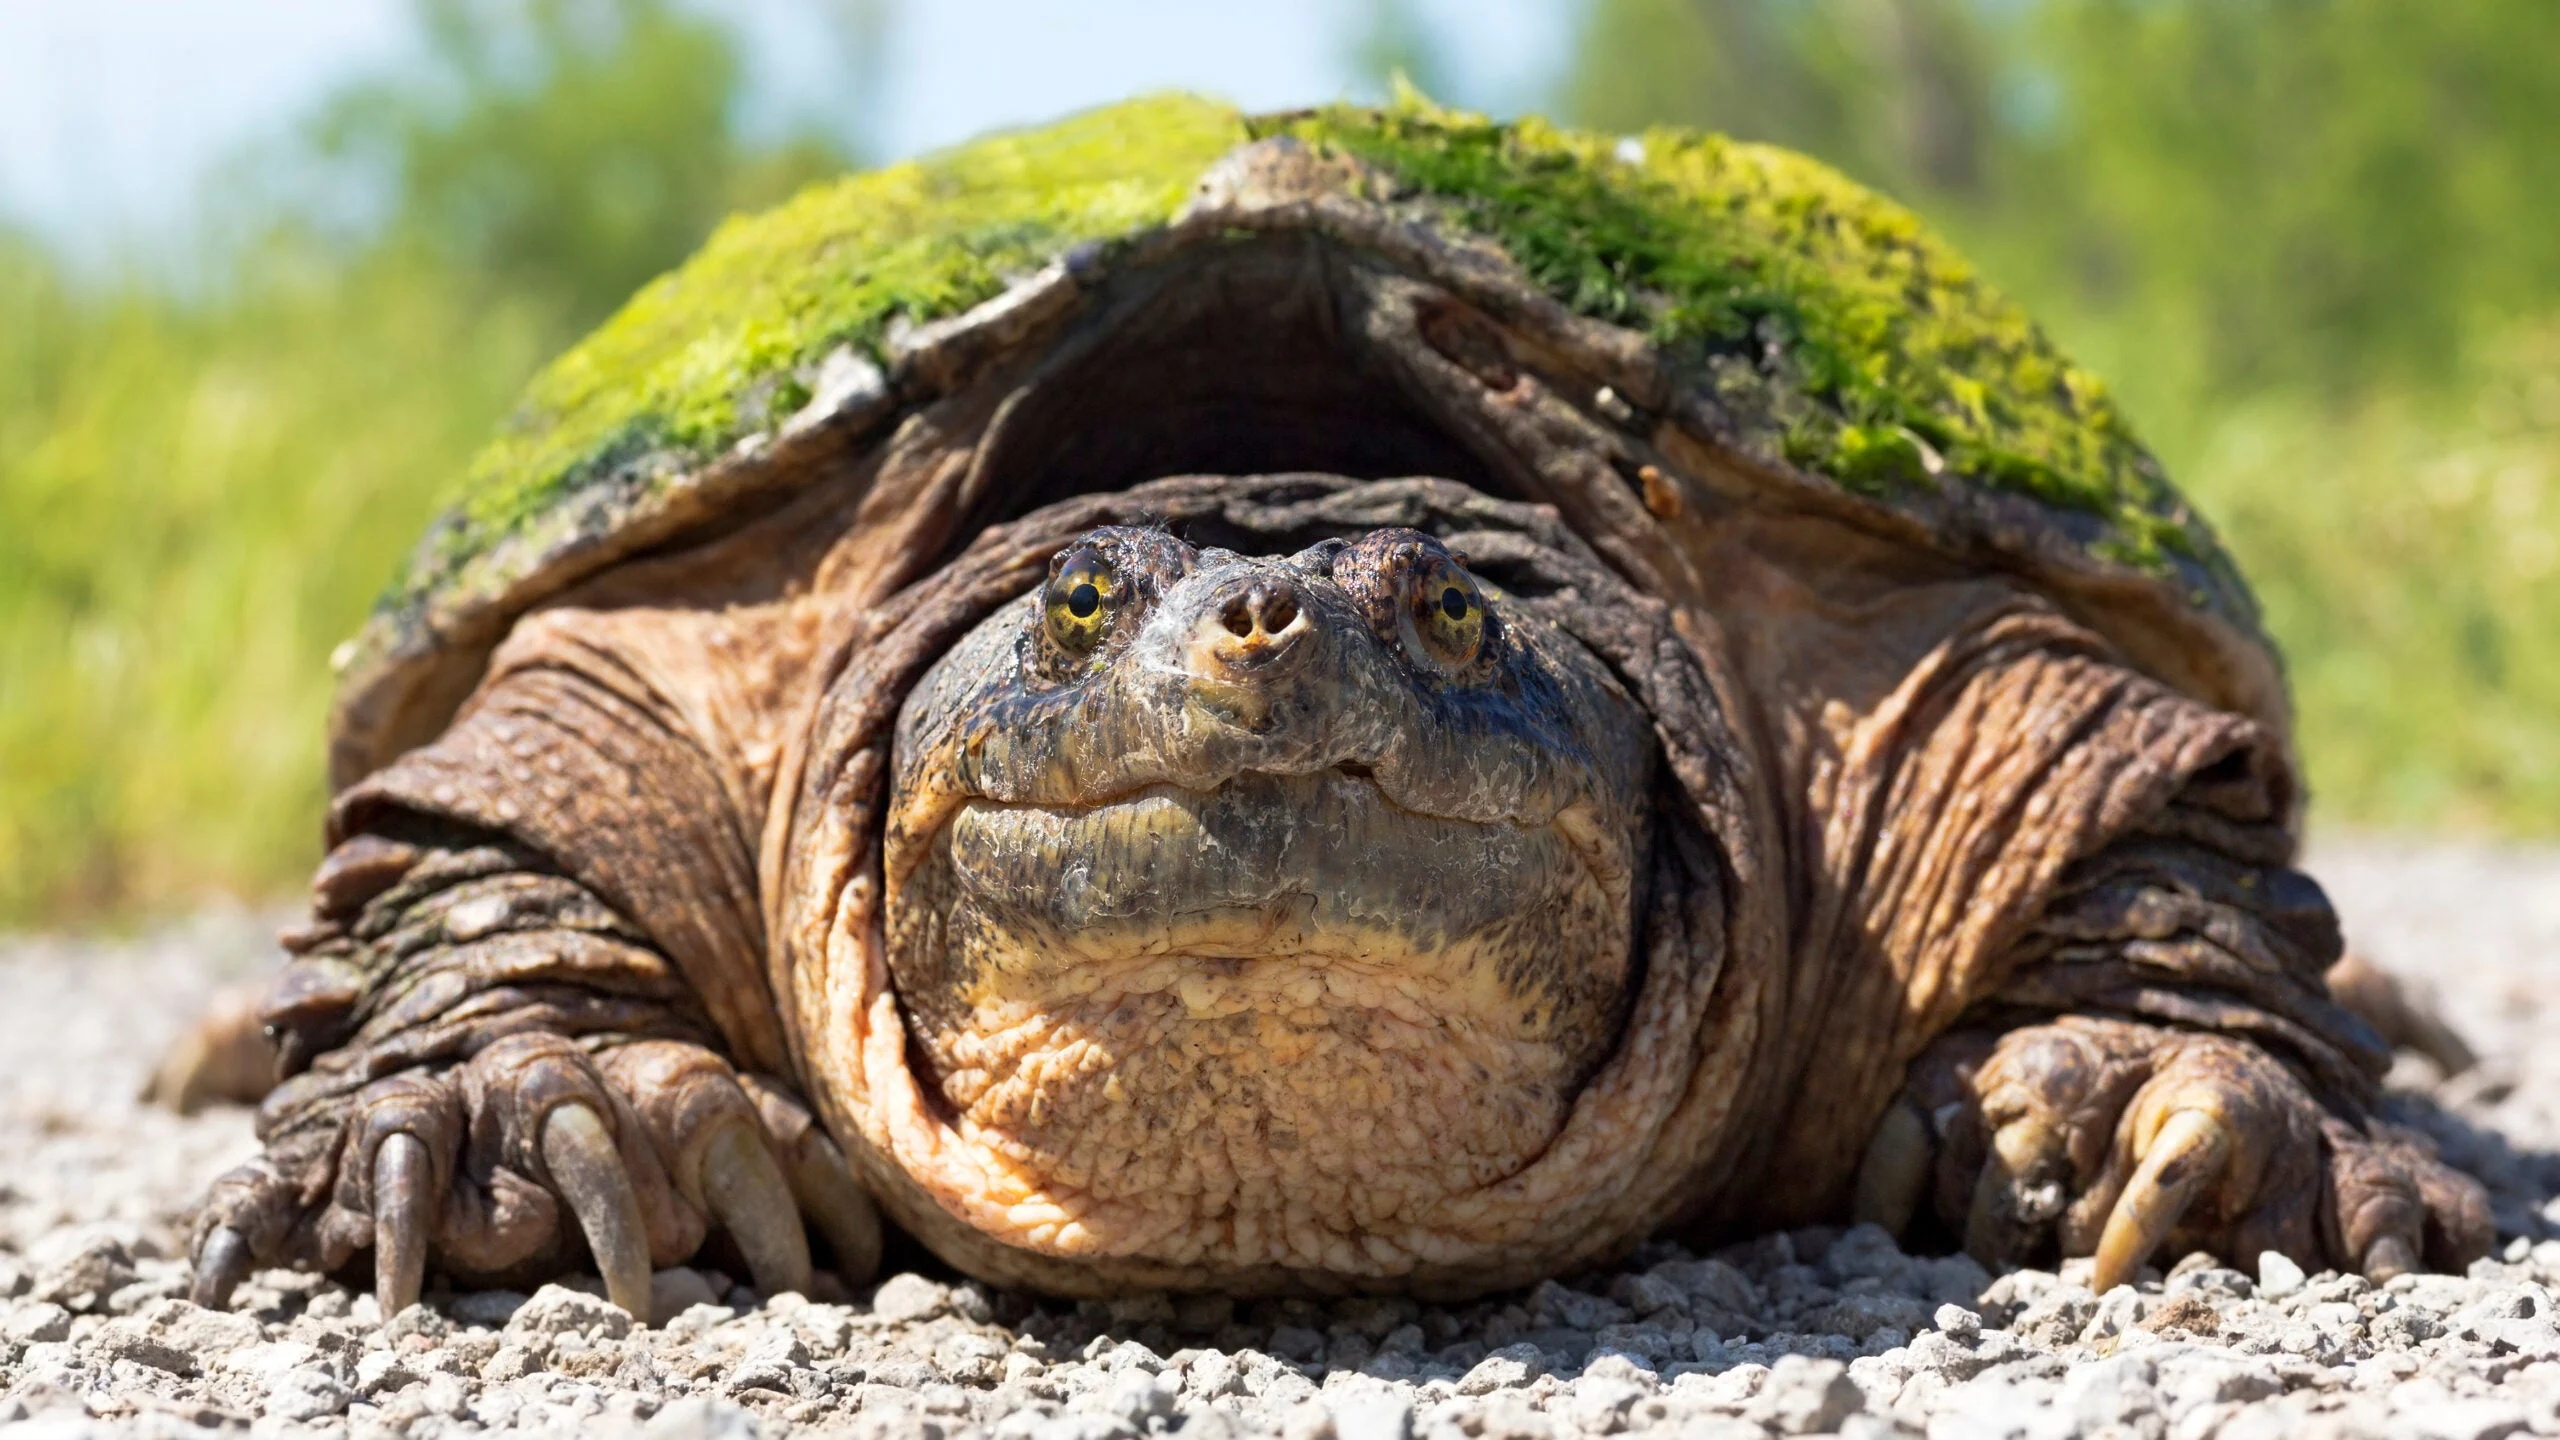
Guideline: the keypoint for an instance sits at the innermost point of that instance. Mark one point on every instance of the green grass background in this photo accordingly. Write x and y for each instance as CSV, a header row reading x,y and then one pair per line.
x,y
2313,245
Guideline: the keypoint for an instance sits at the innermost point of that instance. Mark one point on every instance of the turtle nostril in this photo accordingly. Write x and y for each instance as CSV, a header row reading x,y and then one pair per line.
x,y
1256,633
1264,610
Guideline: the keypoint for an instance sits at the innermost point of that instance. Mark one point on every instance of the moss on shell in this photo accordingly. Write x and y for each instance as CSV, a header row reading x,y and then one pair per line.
x,y
726,344
1862,346
1845,338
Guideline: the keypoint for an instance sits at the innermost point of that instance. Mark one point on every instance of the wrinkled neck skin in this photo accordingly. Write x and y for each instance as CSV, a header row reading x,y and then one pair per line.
x,y
1278,931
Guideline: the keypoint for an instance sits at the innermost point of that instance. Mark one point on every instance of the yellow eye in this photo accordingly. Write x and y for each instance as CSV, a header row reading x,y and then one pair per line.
x,y
1080,598
1448,613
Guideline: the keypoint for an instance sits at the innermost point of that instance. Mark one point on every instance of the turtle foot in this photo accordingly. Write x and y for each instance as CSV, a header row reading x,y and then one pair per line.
x,y
533,1155
2104,1138
225,1057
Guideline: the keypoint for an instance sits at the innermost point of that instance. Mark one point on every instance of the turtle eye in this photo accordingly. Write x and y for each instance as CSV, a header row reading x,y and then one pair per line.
x,y
1081,596
1448,613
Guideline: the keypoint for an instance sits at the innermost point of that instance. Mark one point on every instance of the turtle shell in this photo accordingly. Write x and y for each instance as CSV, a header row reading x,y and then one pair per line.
x,y
1770,331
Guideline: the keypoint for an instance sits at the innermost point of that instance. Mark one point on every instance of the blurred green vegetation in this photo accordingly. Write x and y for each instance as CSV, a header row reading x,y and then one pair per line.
x,y
202,487
2315,244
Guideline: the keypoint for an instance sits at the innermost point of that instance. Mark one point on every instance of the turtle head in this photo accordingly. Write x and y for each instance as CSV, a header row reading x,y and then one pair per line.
x,y
1275,904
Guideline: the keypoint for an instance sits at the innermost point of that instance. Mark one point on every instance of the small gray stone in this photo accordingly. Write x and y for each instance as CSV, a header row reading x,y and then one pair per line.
x,y
2277,1276
768,1364
1139,1396
699,1417
420,1320
2113,1392
1862,1315
970,1358
380,1371
1133,1355
2201,1377
2057,1319
1957,1323
1621,1368
1561,1304
1648,1294
1956,1279
131,1339
1085,1427
37,1323
2463,1419
1864,1252
1715,1283
86,1268
1804,1396
306,1393
1212,1424
2211,1280
679,1288
909,1297
1372,1415
559,1310
1212,1373
510,1362
1508,1367
1652,1344
490,1308
445,1395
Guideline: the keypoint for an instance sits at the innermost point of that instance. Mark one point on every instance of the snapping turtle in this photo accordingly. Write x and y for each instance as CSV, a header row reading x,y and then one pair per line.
x,y
1344,700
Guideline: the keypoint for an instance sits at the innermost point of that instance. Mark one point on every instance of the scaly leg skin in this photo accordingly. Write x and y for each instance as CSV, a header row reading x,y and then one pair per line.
x,y
499,1081
2102,1137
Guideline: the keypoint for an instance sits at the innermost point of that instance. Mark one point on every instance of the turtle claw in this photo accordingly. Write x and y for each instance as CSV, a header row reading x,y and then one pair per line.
x,y
821,1180
222,1262
586,1168
2018,1192
836,1203
2191,1150
748,1195
2387,1256
403,1198
1894,1172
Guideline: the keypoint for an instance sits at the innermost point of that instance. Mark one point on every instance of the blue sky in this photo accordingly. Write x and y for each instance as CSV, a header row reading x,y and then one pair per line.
x,y
113,111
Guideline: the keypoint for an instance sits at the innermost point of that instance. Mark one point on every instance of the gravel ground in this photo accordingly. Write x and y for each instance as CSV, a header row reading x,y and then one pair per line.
x,y
1816,1331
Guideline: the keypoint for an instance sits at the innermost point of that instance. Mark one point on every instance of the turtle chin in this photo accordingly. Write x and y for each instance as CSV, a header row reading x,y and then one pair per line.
x,y
1274,1023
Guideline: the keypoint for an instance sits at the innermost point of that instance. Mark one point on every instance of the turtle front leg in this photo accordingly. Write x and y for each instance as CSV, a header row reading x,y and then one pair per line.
x,y
498,1076
2164,1076
2094,1136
